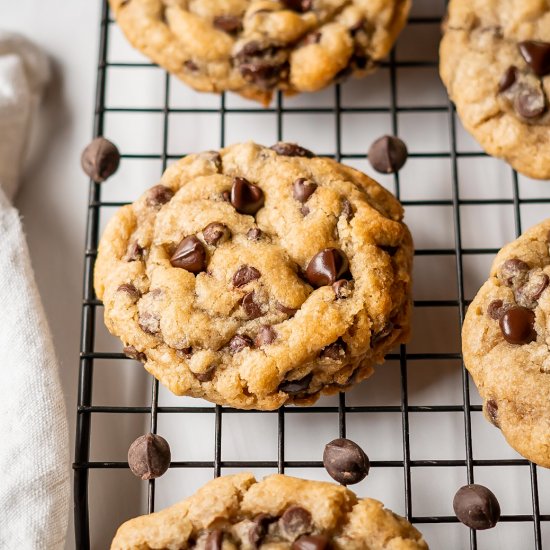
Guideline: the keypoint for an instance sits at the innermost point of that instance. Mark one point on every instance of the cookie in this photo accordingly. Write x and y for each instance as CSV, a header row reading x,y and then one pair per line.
x,y
505,341
278,513
255,277
495,63
254,47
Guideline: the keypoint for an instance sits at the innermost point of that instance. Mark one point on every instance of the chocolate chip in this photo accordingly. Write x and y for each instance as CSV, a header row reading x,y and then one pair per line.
x,y
251,308
342,289
517,325
345,461
214,540
295,521
326,267
207,375
305,210
149,456
530,102
212,157
254,234
226,196
476,507
132,353
390,250
312,542
537,55
291,150
259,527
508,79
100,159
298,5
528,294
262,65
228,23
191,66
495,309
216,233
491,408
158,195
131,290
190,255
311,38
149,323
294,387
184,353
377,337
347,209
290,311
266,335
134,253
302,189
239,342
246,197
388,154
513,272
244,275
334,351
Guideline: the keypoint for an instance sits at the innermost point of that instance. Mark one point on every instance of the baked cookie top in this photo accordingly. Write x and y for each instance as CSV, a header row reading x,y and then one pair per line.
x,y
254,47
278,513
506,339
495,62
255,277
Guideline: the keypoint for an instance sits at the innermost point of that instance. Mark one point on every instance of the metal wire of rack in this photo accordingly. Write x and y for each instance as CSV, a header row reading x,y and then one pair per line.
x,y
86,409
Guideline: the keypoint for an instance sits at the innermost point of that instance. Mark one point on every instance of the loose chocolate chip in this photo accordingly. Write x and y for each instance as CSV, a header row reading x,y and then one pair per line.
x,y
476,507
266,335
536,55
334,351
291,150
326,267
494,309
149,456
298,5
228,23
190,255
239,342
254,234
129,289
342,289
216,233
100,159
345,461
244,275
158,195
302,189
294,387
246,197
207,375
516,325
290,311
508,79
529,293
388,154
191,66
491,408
134,253
214,540
251,308
530,102
512,272
295,522
149,323
132,353
312,542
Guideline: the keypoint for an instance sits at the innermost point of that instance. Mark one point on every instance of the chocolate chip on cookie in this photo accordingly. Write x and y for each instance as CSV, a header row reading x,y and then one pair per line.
x,y
537,55
216,233
302,189
298,5
513,272
295,521
190,255
342,289
132,353
517,325
240,342
326,267
530,101
476,506
266,335
149,456
312,542
334,351
495,309
159,195
491,408
244,275
100,159
295,387
388,154
228,23
531,290
291,150
246,197
252,309
508,79
345,461
130,290
214,540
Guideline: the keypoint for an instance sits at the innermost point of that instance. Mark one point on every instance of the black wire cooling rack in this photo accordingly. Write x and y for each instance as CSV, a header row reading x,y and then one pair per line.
x,y
90,306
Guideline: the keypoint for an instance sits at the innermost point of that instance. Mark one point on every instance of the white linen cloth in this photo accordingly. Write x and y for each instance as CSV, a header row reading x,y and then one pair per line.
x,y
34,443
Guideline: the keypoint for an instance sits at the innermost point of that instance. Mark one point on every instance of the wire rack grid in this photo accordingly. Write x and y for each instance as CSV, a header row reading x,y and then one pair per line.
x,y
523,524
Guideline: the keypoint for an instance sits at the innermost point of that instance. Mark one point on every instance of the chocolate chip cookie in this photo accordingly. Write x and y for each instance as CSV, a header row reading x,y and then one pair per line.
x,y
254,47
495,62
255,277
505,340
278,513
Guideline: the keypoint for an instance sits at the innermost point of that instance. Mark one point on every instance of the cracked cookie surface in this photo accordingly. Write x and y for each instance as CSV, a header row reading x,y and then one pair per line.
x,y
495,63
256,277
505,341
254,47
278,513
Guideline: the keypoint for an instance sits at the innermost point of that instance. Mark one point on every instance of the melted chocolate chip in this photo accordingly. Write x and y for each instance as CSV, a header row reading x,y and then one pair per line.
x,y
334,351
476,506
291,150
388,154
239,342
100,159
266,335
290,311
254,234
191,66
149,323
347,210
342,289
508,79
491,408
190,255
184,353
246,197
227,23
131,290
212,157
216,233
244,275
298,5
517,325
537,55
326,267
529,293
251,308
295,521
345,461
377,337
149,456
294,387
132,353
207,375
159,195
260,64
302,189
530,102
512,272
495,309
214,540
134,253
259,527
312,542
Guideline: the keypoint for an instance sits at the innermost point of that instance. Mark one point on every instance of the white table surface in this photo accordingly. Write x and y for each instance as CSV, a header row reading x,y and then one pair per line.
x,y
53,204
